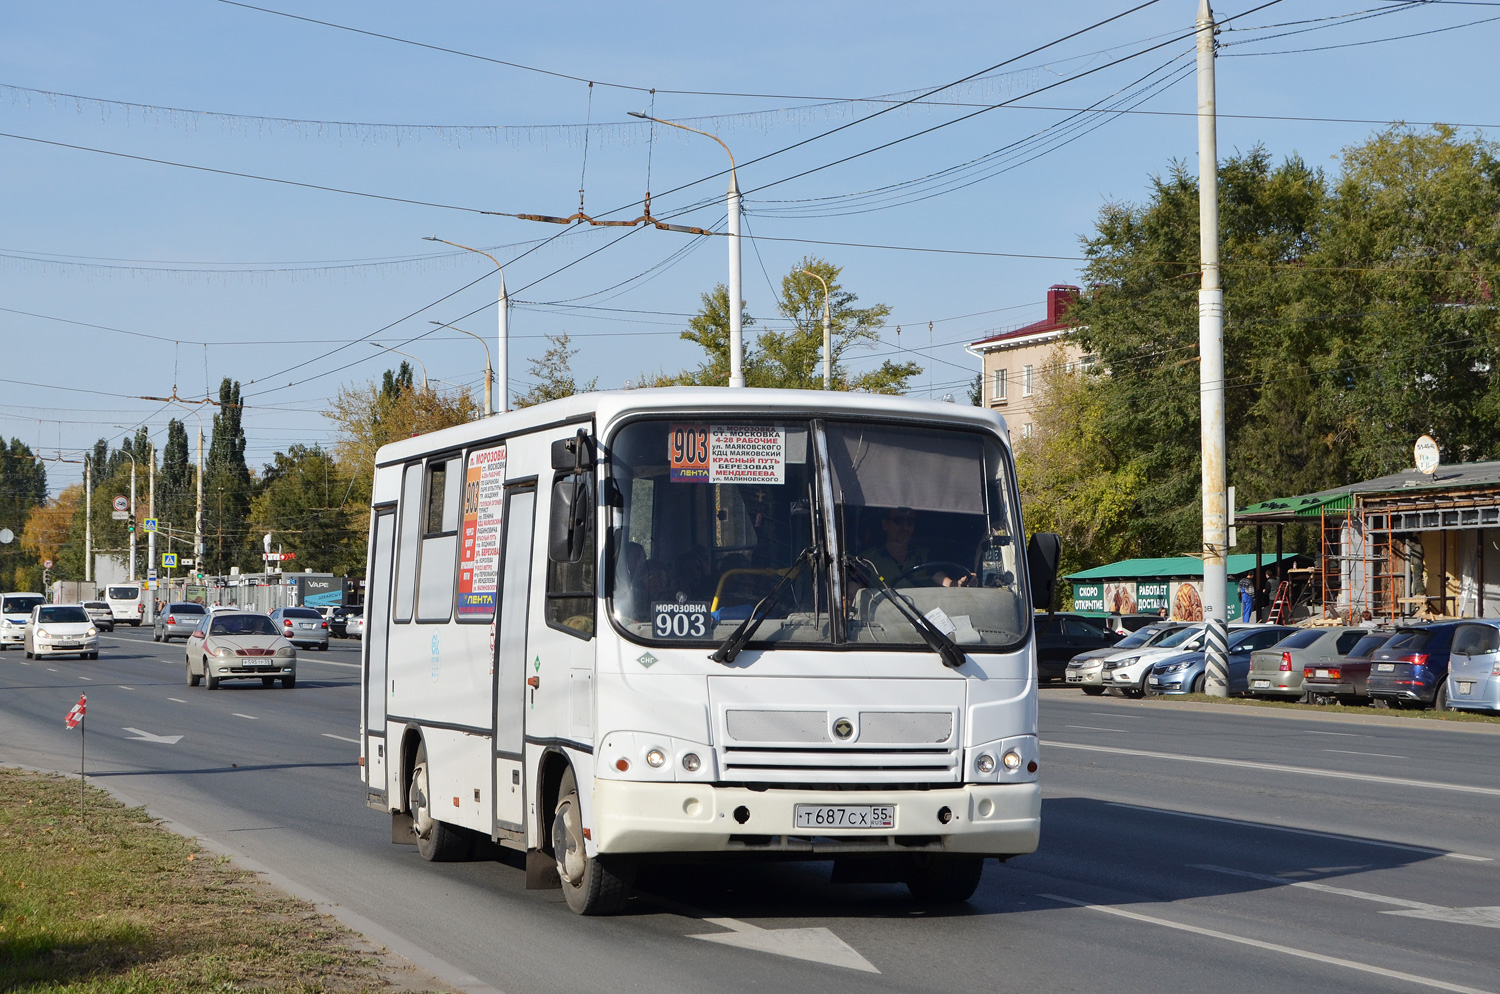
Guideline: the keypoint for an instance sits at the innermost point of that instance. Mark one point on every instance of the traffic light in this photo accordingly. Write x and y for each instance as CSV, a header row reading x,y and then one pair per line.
x,y
130,527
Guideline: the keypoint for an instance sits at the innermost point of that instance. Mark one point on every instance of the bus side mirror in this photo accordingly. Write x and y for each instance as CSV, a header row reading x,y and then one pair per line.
x,y
1042,555
567,525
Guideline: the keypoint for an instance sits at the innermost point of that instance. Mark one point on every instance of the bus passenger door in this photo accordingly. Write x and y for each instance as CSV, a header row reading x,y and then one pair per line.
x,y
375,645
510,664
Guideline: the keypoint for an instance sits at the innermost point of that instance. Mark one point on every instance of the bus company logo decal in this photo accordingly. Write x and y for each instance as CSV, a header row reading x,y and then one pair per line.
x,y
646,659
437,657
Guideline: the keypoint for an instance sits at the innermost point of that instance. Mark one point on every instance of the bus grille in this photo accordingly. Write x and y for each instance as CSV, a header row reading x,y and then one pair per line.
x,y
786,746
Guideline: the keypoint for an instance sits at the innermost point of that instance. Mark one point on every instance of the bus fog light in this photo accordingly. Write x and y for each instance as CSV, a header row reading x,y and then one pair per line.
x,y
985,763
655,758
691,762
1012,760
622,764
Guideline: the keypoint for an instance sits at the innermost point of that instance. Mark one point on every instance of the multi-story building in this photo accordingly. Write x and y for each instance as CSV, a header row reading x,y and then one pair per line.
x,y
1017,362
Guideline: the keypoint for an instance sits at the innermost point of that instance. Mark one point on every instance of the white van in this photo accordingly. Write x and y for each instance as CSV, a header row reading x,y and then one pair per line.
x,y
649,623
127,603
15,615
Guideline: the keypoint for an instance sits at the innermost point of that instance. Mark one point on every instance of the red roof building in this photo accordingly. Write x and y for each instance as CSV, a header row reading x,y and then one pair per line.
x,y
1015,362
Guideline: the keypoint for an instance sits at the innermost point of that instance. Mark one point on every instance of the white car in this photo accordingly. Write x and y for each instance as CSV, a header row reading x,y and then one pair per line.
x,y
15,615
354,626
1128,671
61,630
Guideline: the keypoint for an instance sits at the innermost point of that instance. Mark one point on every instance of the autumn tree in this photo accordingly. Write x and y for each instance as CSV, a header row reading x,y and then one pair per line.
x,y
23,486
304,500
46,535
552,374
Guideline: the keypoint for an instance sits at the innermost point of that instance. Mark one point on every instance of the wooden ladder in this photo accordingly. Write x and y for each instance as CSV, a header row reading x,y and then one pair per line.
x,y
1281,604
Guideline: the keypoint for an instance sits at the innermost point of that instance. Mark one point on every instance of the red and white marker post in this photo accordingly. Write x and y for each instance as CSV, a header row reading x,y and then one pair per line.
x,y
74,719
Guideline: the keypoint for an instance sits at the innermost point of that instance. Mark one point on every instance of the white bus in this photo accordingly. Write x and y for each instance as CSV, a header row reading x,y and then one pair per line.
x,y
126,602
661,624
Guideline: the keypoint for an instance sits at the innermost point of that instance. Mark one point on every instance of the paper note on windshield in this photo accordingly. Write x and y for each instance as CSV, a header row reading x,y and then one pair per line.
x,y
727,454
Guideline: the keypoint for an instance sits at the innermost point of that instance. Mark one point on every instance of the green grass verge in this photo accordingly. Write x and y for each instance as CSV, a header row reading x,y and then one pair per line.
x,y
111,903
1254,702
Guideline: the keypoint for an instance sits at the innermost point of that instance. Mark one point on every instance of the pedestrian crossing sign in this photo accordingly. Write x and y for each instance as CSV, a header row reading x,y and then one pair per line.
x,y
168,560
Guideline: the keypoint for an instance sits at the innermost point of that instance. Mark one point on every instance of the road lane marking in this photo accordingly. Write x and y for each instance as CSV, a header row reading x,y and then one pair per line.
x,y
330,735
51,670
88,678
123,687
1351,752
1352,735
817,945
250,716
139,736
1426,850
1095,728
179,700
1270,946
1111,714
1246,764
1488,917
328,662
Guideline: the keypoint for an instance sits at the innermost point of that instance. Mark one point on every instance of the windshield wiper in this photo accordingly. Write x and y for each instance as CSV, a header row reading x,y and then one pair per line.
x,y
746,631
953,656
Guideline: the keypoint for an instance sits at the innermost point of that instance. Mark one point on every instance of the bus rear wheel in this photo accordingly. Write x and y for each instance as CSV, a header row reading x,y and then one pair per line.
x,y
593,885
437,842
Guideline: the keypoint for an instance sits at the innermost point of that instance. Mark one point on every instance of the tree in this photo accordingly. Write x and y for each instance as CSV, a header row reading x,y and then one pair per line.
x,y
303,501
794,358
176,484
227,488
23,486
47,532
553,373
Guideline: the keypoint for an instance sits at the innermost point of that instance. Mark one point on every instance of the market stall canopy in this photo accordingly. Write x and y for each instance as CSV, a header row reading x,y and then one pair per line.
x,y
1182,567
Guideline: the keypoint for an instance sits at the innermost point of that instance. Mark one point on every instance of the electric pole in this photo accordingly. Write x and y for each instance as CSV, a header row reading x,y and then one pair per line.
x,y
1211,373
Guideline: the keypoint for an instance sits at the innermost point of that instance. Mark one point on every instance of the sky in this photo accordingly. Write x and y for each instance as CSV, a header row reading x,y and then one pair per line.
x,y
948,156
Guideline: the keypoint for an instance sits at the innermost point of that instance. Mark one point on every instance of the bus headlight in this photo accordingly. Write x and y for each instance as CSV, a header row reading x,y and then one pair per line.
x,y
1012,760
655,758
985,764
691,762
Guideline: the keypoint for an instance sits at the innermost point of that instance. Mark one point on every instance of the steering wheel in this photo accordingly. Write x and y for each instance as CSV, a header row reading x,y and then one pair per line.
x,y
909,577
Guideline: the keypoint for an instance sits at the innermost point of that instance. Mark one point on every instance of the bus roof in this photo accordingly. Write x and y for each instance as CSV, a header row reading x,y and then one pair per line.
x,y
607,406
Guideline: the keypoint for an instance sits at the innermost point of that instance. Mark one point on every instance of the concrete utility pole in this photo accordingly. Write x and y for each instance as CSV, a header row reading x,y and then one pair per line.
x,y
151,535
827,333
502,331
132,518
1211,373
198,514
88,519
736,330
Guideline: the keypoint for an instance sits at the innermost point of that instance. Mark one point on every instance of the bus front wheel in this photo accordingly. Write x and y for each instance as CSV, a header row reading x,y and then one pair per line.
x,y
943,878
593,885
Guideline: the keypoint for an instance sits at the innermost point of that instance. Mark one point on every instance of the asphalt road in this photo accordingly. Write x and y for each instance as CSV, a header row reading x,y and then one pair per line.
x,y
1183,849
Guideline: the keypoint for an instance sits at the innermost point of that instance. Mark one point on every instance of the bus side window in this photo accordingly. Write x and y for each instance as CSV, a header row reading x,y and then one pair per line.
x,y
570,586
439,540
411,534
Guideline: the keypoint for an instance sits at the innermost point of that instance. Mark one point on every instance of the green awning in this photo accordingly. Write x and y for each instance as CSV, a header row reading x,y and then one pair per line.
x,y
1288,508
1174,567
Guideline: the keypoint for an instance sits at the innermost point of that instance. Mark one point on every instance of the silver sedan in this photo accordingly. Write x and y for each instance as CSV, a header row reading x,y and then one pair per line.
x,y
239,645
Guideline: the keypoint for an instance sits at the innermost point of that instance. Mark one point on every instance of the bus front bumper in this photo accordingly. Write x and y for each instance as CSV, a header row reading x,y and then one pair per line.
x,y
987,819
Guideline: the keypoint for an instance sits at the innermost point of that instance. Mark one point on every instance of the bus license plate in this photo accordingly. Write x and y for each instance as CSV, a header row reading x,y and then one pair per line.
x,y
845,816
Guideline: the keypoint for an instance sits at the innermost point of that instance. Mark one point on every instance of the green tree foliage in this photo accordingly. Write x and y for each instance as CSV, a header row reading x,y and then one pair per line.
x,y
23,486
552,373
1358,315
227,489
794,358
303,500
177,481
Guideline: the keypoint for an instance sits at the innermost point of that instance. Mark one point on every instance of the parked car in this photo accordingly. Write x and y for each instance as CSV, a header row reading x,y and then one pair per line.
x,y
61,630
1060,637
1345,680
239,645
1474,669
15,615
354,624
1411,670
336,617
1187,672
100,614
1085,669
1277,671
301,626
176,621
1128,671
1127,623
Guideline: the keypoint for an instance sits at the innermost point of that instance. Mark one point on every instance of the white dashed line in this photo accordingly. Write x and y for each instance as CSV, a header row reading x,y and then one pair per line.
x,y
1351,752
1352,735
88,678
330,735
1270,947
123,687
179,700
250,716
1096,728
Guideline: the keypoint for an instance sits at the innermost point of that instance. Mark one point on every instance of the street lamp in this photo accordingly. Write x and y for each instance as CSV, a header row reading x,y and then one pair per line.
x,y
827,322
736,332
489,372
408,355
502,336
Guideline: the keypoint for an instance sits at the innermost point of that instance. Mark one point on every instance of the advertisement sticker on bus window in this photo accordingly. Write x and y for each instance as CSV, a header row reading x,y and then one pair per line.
x,y
479,558
727,454
681,620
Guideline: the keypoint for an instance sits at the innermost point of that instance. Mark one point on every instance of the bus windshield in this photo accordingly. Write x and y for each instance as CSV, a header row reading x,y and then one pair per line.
x,y
21,604
708,518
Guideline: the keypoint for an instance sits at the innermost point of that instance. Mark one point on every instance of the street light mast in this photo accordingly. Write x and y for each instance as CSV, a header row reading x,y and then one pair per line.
x,y
502,331
827,333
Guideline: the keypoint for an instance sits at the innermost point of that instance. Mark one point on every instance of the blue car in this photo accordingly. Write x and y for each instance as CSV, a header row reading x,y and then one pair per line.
x,y
1184,673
